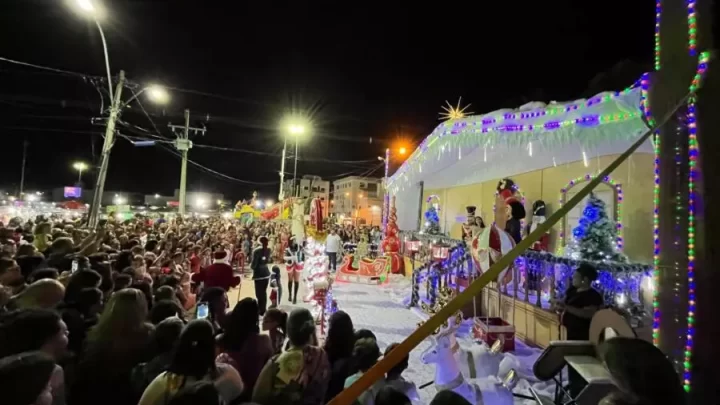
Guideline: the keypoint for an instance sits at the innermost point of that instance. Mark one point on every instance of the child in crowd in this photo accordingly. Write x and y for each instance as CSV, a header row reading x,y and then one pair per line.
x,y
274,322
273,294
365,354
395,379
275,276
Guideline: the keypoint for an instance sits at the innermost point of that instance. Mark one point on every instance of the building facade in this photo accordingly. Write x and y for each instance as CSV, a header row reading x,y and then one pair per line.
x,y
358,200
309,187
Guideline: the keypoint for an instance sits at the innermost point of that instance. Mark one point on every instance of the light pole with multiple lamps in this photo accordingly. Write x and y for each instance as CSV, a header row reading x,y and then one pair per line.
x,y
156,94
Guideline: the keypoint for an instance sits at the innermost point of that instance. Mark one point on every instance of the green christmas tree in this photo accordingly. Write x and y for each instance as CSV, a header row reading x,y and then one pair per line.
x,y
595,237
432,221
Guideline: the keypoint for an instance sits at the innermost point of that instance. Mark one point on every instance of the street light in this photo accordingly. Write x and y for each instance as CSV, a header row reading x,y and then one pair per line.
x,y
157,94
268,203
294,126
94,11
80,167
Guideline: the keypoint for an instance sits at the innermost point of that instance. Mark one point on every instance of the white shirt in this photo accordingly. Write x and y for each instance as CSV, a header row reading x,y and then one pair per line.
x,y
332,243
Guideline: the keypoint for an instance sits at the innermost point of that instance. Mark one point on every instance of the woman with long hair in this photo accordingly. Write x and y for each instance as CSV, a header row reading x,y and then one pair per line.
x,y
119,341
294,258
242,345
339,348
193,361
302,371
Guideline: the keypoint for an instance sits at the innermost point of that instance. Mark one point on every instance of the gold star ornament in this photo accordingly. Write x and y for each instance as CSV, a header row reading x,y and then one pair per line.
x,y
451,112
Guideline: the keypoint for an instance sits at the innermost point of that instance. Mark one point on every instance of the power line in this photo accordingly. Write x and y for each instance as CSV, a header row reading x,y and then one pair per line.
x,y
215,172
46,68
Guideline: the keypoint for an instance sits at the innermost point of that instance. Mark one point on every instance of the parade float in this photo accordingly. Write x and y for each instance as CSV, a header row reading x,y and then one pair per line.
x,y
357,268
247,211
486,180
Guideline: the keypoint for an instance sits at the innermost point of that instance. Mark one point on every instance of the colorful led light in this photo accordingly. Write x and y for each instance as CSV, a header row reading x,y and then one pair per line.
x,y
692,28
645,104
492,124
692,174
658,12
618,209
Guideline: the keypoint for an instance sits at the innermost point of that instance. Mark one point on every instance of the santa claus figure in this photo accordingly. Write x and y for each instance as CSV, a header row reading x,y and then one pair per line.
x,y
515,211
538,218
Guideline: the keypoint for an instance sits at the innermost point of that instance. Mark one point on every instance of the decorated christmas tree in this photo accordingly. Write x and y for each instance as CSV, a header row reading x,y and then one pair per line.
x,y
432,221
595,237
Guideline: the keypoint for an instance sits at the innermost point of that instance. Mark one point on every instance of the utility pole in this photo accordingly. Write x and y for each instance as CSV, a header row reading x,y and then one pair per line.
x,y
281,196
115,108
183,144
22,170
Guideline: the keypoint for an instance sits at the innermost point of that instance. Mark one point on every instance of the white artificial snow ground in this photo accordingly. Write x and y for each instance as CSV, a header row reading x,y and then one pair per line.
x,y
382,310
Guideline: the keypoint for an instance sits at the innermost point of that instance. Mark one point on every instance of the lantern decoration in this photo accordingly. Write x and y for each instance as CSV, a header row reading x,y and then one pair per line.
x,y
413,246
440,252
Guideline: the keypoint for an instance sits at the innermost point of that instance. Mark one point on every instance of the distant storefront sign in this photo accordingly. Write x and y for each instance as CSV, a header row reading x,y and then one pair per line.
x,y
72,192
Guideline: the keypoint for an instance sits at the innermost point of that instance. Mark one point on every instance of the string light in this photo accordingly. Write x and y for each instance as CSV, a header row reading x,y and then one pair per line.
x,y
645,104
617,187
692,176
692,28
658,12
463,131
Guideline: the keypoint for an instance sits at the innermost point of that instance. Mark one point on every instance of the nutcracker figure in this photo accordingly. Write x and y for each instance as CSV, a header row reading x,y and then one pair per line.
x,y
538,218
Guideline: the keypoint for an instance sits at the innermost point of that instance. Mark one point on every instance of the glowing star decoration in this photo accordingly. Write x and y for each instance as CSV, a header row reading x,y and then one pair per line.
x,y
454,113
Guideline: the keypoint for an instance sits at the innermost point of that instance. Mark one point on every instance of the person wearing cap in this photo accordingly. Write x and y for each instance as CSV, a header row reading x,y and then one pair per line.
x,y
219,274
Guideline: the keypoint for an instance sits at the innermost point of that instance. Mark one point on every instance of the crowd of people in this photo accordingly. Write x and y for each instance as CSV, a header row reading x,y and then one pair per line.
x,y
137,312
113,315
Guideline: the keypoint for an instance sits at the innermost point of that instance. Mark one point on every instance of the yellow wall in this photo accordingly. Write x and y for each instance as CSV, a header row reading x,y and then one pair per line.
x,y
635,175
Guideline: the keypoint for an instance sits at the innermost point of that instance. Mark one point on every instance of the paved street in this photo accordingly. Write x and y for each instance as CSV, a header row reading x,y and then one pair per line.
x,y
247,289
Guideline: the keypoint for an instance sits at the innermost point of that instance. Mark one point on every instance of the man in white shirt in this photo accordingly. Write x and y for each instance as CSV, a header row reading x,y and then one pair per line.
x,y
332,247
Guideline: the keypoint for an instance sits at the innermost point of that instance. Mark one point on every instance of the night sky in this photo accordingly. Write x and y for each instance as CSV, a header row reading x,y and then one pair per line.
x,y
368,70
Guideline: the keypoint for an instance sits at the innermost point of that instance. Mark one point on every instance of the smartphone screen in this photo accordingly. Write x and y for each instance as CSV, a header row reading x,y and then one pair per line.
x,y
74,267
202,310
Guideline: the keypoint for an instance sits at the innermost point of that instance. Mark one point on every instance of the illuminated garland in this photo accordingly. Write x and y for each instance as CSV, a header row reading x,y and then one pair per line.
x,y
466,129
692,164
658,12
692,28
617,188
645,104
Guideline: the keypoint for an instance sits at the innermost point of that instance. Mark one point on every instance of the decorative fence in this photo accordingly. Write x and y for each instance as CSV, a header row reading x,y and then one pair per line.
x,y
538,277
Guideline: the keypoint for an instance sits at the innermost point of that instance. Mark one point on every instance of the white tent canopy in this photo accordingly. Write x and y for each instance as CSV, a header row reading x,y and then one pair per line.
x,y
505,143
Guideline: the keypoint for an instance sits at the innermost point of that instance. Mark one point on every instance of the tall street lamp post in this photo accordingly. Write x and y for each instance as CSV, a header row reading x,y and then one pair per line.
x,y
156,94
